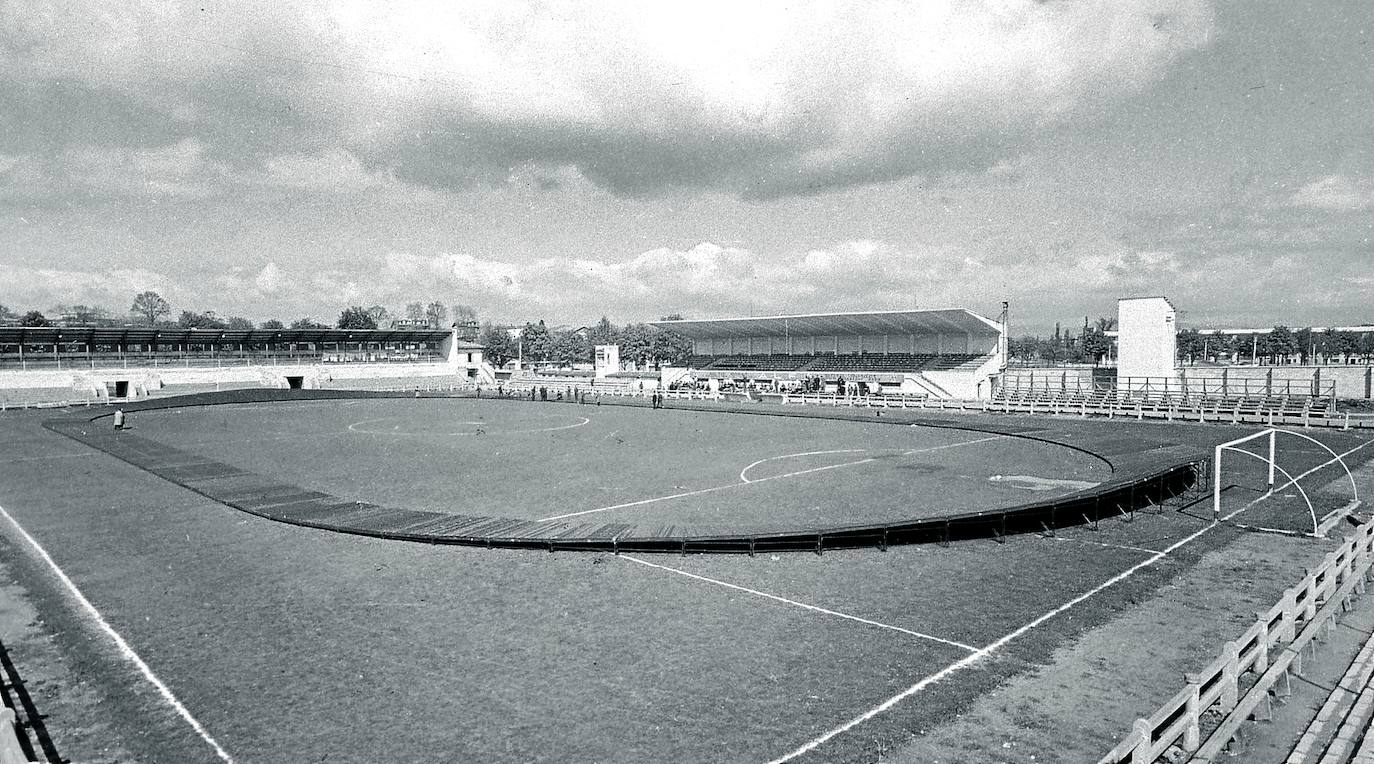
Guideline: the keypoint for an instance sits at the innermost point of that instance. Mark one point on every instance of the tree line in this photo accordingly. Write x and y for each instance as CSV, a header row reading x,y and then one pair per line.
x,y
535,342
1277,346
1090,345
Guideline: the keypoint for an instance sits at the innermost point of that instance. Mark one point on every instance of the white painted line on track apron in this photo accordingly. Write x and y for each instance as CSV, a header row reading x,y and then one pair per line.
x,y
124,649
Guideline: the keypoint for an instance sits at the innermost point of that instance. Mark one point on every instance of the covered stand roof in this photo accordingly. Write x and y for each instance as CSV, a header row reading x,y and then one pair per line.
x,y
922,322
158,335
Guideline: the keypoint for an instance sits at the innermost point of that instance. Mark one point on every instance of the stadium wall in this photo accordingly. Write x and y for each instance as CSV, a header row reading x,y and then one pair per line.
x,y
92,382
1351,381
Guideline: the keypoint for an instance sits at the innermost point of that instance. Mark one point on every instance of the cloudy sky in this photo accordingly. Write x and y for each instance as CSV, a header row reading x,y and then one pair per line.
x,y
566,160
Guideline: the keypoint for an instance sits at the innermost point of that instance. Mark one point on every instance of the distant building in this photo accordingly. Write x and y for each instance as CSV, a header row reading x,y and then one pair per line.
x,y
467,330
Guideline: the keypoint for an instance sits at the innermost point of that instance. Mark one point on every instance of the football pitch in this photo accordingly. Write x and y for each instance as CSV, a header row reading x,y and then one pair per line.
x,y
290,643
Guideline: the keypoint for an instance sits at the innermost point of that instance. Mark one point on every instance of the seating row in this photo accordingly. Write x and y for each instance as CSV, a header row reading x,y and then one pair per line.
x,y
879,362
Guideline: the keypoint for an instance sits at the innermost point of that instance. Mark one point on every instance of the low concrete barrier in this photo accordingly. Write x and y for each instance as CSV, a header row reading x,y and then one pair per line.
x,y
10,750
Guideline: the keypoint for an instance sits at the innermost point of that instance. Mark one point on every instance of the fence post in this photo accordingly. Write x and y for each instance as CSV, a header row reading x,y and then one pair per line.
x,y
1262,645
1144,735
1192,736
1230,677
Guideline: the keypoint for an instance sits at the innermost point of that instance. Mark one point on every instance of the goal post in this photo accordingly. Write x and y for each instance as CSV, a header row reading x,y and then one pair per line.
x,y
1271,436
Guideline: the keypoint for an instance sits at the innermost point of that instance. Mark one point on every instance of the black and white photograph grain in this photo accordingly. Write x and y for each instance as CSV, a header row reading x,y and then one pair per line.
x,y
611,382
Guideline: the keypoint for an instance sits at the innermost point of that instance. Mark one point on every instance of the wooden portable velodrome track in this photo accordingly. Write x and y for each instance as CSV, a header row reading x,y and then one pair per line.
x,y
1141,476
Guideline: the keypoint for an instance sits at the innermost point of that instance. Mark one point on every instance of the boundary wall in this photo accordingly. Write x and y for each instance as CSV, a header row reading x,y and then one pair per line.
x,y
1349,380
88,385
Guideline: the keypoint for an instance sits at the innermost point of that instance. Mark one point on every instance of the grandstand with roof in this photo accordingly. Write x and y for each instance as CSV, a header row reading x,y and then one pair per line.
x,y
62,363
952,353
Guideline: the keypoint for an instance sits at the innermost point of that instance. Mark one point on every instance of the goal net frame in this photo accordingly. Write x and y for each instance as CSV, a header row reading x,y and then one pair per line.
x,y
1272,434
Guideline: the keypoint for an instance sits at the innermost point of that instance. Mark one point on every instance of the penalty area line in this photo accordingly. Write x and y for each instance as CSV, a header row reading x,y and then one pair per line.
x,y
803,605
125,649
985,652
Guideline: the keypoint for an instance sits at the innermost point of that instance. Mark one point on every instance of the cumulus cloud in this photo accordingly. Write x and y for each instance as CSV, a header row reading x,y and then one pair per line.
x,y
756,98
709,279
43,288
1334,192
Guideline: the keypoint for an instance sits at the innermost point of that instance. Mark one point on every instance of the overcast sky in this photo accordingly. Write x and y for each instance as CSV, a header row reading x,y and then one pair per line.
x,y
565,160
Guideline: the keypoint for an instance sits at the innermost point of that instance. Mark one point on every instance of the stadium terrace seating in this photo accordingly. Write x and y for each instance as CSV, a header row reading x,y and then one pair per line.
x,y
777,362
879,362
1237,408
891,362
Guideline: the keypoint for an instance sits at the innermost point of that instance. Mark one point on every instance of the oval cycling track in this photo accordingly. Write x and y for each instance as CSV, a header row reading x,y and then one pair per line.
x,y
1143,473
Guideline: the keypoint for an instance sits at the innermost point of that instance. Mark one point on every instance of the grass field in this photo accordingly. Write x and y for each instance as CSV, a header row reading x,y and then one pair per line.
x,y
538,461
293,644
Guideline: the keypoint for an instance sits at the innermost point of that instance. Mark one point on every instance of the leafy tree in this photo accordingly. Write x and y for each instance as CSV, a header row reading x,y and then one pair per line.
x,y
1365,346
1235,346
604,333
1305,342
356,317
637,343
497,344
1105,324
6,314
307,323
1281,343
464,313
34,318
670,348
239,322
1190,344
1344,344
568,348
1095,345
378,314
189,320
84,315
536,340
436,314
415,311
150,307
273,323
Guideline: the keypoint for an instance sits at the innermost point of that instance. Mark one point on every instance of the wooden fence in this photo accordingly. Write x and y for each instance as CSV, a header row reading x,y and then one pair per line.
x,y
1239,682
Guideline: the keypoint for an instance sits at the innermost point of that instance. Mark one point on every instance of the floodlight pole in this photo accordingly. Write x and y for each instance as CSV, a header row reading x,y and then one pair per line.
x,y
1006,336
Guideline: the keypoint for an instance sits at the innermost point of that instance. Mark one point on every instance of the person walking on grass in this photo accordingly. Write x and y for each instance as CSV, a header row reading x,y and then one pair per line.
x,y
119,419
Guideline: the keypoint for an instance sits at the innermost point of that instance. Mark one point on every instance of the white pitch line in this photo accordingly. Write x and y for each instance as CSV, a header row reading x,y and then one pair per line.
x,y
982,653
354,428
1105,545
746,482
803,605
121,643
743,472
54,456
